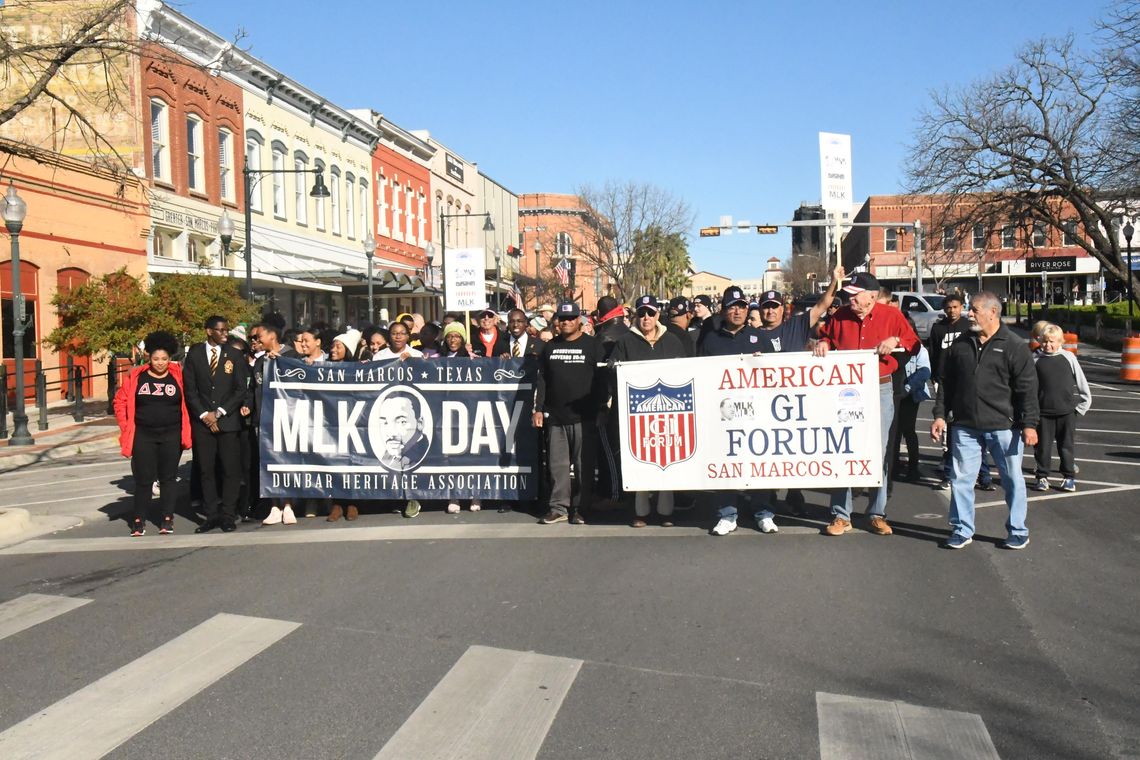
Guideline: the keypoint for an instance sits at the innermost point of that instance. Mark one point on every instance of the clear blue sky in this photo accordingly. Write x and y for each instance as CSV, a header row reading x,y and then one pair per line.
x,y
718,102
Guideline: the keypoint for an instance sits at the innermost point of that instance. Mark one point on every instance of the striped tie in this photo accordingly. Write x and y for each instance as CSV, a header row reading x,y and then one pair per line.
x,y
213,360
516,351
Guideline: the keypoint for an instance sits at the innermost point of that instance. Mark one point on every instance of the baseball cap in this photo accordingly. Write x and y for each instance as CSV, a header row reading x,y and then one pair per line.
x,y
567,310
647,302
487,313
704,300
679,305
732,295
771,296
859,282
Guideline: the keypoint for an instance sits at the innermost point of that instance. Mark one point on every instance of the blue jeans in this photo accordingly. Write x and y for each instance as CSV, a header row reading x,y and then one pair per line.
x,y
1006,448
841,497
762,501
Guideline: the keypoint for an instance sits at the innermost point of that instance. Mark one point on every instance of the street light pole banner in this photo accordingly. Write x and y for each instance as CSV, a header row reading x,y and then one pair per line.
x,y
464,288
425,429
787,420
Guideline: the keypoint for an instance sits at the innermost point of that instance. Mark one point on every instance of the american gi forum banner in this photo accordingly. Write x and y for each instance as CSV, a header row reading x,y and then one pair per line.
x,y
426,429
785,420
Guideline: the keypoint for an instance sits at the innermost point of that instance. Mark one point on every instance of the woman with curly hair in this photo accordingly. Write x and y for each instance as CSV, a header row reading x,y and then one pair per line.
x,y
155,428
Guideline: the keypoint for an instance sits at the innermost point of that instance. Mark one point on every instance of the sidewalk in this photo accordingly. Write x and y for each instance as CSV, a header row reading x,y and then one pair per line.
x,y
64,437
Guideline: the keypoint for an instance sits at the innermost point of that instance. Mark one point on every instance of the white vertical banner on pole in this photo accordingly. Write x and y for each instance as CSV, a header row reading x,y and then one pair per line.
x,y
464,288
835,171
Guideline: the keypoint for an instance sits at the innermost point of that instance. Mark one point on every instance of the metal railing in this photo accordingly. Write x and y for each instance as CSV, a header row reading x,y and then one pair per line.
x,y
70,385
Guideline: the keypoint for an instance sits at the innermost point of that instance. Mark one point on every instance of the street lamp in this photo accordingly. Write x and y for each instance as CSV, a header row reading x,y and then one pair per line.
x,y
429,252
319,191
14,212
1128,230
226,233
498,277
369,252
487,227
537,283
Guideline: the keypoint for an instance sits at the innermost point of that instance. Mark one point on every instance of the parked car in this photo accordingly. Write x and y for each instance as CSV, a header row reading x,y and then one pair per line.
x,y
923,308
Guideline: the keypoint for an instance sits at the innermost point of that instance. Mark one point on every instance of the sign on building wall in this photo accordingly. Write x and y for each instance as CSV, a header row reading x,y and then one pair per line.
x,y
464,288
454,168
835,171
1052,264
788,420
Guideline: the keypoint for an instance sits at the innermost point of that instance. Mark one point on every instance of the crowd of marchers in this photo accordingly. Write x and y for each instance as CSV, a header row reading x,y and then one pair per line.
x,y
993,395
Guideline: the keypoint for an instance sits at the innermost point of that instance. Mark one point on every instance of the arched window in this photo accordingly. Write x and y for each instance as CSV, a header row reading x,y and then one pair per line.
x,y
362,208
159,140
564,246
319,165
253,145
300,192
349,213
195,146
226,164
278,179
334,198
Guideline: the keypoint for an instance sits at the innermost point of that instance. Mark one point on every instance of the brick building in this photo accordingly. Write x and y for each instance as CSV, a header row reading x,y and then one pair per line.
x,y
563,228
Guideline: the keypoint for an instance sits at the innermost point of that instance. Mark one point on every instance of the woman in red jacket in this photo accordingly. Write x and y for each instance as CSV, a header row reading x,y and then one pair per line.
x,y
151,410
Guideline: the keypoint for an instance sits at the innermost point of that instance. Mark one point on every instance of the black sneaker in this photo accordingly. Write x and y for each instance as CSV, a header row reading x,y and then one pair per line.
x,y
986,484
138,528
167,526
943,485
577,519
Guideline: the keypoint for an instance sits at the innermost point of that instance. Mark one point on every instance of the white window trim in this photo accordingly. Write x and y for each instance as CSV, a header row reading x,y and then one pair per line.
x,y
253,148
974,237
160,151
409,234
382,204
1012,243
334,199
397,232
420,216
226,164
319,203
362,208
300,195
349,208
195,160
887,240
278,163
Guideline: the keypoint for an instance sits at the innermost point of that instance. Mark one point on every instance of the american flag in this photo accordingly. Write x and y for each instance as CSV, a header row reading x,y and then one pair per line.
x,y
562,270
516,294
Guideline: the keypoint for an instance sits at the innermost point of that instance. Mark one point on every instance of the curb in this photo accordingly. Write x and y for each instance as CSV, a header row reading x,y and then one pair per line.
x,y
13,522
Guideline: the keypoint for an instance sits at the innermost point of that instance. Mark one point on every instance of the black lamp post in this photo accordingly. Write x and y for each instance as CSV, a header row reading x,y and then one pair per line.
x,y
1128,230
498,277
14,212
369,252
319,191
487,227
537,283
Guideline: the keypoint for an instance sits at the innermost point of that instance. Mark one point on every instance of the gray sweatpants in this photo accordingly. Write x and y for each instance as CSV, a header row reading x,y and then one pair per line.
x,y
565,445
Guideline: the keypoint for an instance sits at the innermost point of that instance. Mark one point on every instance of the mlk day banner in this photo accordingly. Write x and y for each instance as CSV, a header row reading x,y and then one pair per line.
x,y
425,429
784,420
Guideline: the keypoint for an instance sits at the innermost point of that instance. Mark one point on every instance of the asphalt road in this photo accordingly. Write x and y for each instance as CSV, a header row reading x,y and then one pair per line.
x,y
658,643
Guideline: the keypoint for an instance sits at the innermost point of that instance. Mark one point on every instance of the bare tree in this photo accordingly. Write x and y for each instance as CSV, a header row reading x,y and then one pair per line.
x,y
71,79
623,213
1030,145
806,270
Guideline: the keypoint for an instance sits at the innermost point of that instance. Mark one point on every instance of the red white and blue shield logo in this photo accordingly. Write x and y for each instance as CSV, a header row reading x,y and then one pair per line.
x,y
662,428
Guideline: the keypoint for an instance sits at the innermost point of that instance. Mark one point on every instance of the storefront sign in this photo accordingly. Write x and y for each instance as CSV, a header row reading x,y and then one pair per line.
x,y
426,429
1053,264
788,420
454,168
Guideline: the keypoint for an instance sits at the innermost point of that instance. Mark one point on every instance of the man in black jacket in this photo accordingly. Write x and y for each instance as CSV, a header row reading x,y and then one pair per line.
x,y
610,328
943,333
679,317
217,384
989,393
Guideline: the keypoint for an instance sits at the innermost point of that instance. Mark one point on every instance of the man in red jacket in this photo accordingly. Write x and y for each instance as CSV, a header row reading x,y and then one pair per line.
x,y
866,324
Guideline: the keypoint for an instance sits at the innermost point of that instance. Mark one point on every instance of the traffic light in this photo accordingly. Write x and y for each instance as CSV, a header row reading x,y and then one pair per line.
x,y
710,231
513,250
767,229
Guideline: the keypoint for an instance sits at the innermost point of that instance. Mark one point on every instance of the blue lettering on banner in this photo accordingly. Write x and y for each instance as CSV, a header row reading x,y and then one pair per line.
x,y
425,429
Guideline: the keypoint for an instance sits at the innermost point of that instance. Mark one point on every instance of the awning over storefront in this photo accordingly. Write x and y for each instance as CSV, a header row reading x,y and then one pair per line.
x,y
155,266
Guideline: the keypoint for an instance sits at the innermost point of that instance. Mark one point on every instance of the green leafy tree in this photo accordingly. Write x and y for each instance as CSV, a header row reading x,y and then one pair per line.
x,y
662,261
114,312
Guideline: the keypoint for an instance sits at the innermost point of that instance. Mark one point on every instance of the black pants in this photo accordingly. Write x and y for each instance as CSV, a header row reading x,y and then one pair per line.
x,y
211,450
609,457
571,445
155,456
905,419
1062,431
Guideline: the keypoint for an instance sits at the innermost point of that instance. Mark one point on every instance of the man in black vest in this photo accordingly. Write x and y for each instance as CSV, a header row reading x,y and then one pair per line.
x,y
217,386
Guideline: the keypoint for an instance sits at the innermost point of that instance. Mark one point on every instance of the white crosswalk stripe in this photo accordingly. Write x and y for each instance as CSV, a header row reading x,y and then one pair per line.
x,y
853,728
32,609
493,704
101,716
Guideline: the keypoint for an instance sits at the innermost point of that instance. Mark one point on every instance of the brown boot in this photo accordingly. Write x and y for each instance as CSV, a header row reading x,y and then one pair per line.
x,y
352,512
335,513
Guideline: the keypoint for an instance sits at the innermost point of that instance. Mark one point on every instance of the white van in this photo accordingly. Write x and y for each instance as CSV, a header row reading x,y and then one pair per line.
x,y
924,308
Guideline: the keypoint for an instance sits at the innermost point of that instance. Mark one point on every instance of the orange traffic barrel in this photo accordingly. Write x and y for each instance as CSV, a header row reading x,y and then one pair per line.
x,y
1071,343
1130,360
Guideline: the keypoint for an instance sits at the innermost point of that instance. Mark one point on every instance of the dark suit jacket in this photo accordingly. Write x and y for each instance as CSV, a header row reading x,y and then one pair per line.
x,y
227,388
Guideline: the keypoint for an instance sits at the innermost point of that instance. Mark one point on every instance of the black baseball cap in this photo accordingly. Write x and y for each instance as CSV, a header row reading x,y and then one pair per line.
x,y
771,296
679,305
859,282
647,302
732,295
704,300
567,310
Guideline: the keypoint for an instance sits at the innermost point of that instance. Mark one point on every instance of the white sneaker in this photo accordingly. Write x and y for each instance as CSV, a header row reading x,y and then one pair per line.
x,y
1042,484
154,490
287,516
724,526
476,505
274,517
452,507
768,525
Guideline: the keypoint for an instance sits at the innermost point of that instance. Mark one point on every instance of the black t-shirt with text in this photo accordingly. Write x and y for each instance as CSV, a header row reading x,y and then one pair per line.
x,y
158,403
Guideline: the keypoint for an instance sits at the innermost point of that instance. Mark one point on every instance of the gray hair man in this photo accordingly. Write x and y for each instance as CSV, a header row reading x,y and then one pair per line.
x,y
989,393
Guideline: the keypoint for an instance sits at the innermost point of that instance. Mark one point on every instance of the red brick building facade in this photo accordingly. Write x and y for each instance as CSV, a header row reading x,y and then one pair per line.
x,y
563,228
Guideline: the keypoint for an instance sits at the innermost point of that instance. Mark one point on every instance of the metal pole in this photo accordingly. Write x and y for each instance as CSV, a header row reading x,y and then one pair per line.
x,y
112,382
77,395
443,258
3,401
371,319
498,284
41,397
20,434
917,256
248,236
1131,300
